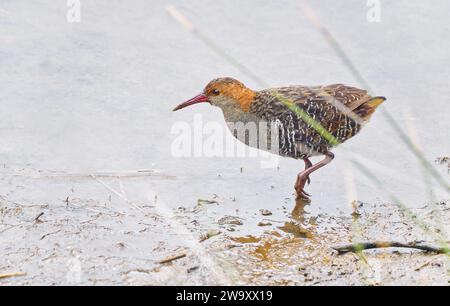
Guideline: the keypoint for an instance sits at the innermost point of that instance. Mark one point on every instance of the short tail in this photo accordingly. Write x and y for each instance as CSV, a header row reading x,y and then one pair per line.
x,y
366,109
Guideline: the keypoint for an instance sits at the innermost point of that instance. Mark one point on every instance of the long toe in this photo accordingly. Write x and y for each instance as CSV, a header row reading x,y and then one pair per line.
x,y
305,193
302,195
308,180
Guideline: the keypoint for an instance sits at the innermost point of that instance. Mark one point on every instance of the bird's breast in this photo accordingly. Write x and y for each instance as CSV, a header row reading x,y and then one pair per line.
x,y
252,130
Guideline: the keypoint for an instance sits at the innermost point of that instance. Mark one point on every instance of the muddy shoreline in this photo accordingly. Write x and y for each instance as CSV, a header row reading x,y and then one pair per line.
x,y
82,241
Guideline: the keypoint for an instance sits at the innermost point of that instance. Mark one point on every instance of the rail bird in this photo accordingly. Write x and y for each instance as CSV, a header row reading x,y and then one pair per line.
x,y
309,120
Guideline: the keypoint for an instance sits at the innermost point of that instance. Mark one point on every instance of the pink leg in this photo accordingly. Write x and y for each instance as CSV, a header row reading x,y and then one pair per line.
x,y
303,176
308,164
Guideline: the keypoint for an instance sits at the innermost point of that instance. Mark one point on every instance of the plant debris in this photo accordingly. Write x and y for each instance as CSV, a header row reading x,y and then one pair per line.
x,y
230,220
356,247
172,258
209,234
8,275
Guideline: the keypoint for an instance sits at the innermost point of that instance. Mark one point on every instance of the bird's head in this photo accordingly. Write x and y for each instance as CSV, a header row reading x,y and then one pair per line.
x,y
227,93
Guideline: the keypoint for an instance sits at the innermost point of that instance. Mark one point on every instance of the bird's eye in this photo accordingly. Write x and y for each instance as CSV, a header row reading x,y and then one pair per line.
x,y
216,92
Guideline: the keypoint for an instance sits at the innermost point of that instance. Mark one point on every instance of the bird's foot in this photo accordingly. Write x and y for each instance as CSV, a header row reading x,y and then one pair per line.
x,y
303,177
300,185
302,195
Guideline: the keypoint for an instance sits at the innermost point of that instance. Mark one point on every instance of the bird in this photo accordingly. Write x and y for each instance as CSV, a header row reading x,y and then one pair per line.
x,y
310,120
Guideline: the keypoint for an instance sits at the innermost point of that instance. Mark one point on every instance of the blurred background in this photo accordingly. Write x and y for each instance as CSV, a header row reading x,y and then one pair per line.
x,y
86,99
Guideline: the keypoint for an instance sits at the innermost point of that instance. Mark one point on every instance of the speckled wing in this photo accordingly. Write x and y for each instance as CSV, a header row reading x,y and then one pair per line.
x,y
344,98
330,105
350,97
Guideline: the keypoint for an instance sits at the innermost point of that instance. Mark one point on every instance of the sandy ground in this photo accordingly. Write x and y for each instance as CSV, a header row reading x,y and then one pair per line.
x,y
86,131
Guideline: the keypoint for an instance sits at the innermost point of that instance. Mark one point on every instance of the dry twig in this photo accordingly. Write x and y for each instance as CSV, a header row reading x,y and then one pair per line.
x,y
7,275
172,258
356,247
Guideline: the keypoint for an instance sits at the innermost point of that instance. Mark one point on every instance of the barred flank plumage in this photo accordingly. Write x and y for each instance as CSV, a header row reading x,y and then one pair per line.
x,y
341,110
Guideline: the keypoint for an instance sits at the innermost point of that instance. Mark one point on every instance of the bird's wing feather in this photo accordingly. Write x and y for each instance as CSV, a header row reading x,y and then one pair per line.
x,y
337,97
328,105
349,96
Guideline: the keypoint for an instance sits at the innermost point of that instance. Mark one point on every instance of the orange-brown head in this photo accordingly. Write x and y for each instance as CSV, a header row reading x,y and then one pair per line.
x,y
227,93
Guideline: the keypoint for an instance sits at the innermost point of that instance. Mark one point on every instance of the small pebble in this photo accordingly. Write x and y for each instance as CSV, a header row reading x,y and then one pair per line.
x,y
264,223
120,245
192,269
265,212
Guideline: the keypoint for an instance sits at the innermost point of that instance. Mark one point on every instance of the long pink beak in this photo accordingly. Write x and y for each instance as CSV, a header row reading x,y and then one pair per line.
x,y
197,99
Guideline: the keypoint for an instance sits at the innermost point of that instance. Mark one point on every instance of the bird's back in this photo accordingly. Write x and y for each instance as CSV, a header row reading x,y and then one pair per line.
x,y
337,111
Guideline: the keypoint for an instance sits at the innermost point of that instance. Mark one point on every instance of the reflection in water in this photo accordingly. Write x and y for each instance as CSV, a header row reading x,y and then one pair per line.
x,y
296,229
300,226
274,247
297,237
298,213
246,239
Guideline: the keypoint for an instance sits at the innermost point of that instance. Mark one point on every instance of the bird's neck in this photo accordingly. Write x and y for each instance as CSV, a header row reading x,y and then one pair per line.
x,y
245,97
237,109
